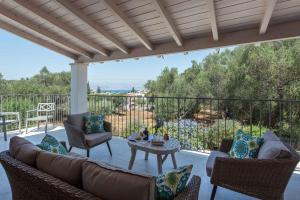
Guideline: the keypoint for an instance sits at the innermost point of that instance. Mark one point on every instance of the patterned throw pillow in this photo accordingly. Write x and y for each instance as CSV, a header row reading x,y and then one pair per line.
x,y
94,124
172,183
51,144
245,146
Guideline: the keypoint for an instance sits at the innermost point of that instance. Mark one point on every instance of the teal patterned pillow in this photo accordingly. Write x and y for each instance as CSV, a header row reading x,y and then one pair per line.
x,y
172,183
94,124
51,144
245,146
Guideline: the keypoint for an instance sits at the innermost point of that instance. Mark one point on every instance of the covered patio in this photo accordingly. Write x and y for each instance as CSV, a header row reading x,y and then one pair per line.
x,y
112,30
121,157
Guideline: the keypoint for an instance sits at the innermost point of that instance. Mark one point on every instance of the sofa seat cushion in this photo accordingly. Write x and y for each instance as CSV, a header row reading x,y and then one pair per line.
x,y
77,119
111,183
23,150
211,160
66,168
97,138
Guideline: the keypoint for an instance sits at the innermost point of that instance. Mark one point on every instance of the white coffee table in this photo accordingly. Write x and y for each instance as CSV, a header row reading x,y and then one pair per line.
x,y
171,146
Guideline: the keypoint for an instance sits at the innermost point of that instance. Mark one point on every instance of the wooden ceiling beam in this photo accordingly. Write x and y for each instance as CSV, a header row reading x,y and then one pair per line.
x,y
168,21
40,13
44,43
111,5
27,23
270,5
67,5
213,19
285,30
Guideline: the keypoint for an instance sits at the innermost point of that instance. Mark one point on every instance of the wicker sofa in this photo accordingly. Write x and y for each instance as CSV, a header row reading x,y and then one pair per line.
x,y
265,177
35,174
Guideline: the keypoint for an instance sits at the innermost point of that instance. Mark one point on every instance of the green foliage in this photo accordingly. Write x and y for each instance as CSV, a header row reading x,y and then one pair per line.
x,y
271,70
45,82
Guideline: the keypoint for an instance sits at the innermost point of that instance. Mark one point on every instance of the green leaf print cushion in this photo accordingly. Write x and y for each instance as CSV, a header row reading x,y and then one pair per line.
x,y
245,146
51,144
94,124
172,183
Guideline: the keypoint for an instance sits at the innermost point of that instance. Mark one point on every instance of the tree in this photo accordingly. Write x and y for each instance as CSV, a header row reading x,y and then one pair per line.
x,y
133,90
88,88
98,89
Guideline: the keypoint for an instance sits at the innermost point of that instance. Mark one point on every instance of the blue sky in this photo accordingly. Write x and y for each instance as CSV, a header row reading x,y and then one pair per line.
x,y
21,58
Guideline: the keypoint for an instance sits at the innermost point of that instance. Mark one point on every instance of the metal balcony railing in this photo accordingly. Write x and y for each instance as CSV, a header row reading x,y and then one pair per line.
x,y
199,123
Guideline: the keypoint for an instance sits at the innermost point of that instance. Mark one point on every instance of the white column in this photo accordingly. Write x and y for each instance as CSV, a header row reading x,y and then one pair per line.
x,y
79,88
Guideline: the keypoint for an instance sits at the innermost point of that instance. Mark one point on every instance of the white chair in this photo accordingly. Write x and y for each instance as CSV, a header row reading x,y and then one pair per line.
x,y
44,112
7,120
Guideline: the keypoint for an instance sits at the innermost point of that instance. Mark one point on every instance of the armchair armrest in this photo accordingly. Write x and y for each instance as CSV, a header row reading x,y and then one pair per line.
x,y
262,177
16,114
107,126
226,145
28,111
2,117
191,192
76,136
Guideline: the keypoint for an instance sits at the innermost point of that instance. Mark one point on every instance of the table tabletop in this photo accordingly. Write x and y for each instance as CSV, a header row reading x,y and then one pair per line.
x,y
170,146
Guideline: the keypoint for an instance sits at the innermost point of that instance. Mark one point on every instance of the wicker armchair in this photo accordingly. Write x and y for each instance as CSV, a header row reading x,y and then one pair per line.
x,y
260,178
77,138
28,183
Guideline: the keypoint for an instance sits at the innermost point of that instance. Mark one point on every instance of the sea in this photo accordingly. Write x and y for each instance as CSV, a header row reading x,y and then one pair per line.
x,y
116,91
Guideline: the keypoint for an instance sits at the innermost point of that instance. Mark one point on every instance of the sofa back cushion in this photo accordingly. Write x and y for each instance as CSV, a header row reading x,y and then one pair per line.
x,y
111,183
66,168
23,150
77,119
273,148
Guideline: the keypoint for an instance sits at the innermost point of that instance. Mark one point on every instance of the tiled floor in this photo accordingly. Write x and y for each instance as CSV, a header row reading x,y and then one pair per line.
x,y
121,156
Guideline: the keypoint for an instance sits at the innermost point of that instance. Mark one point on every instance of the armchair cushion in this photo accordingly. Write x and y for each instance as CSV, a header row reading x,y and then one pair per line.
x,y
245,145
97,138
270,136
77,120
94,124
273,147
211,160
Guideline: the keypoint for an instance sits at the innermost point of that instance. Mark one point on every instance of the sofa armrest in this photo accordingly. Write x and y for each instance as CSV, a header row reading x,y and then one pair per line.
x,y
264,178
30,183
107,126
76,136
191,192
226,145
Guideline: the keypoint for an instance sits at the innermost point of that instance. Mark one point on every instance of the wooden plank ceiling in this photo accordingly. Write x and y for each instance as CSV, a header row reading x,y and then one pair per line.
x,y
100,30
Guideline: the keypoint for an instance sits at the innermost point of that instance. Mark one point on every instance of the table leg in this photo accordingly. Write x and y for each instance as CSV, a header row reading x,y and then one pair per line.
x,y
159,163
4,131
164,158
133,153
174,160
146,155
